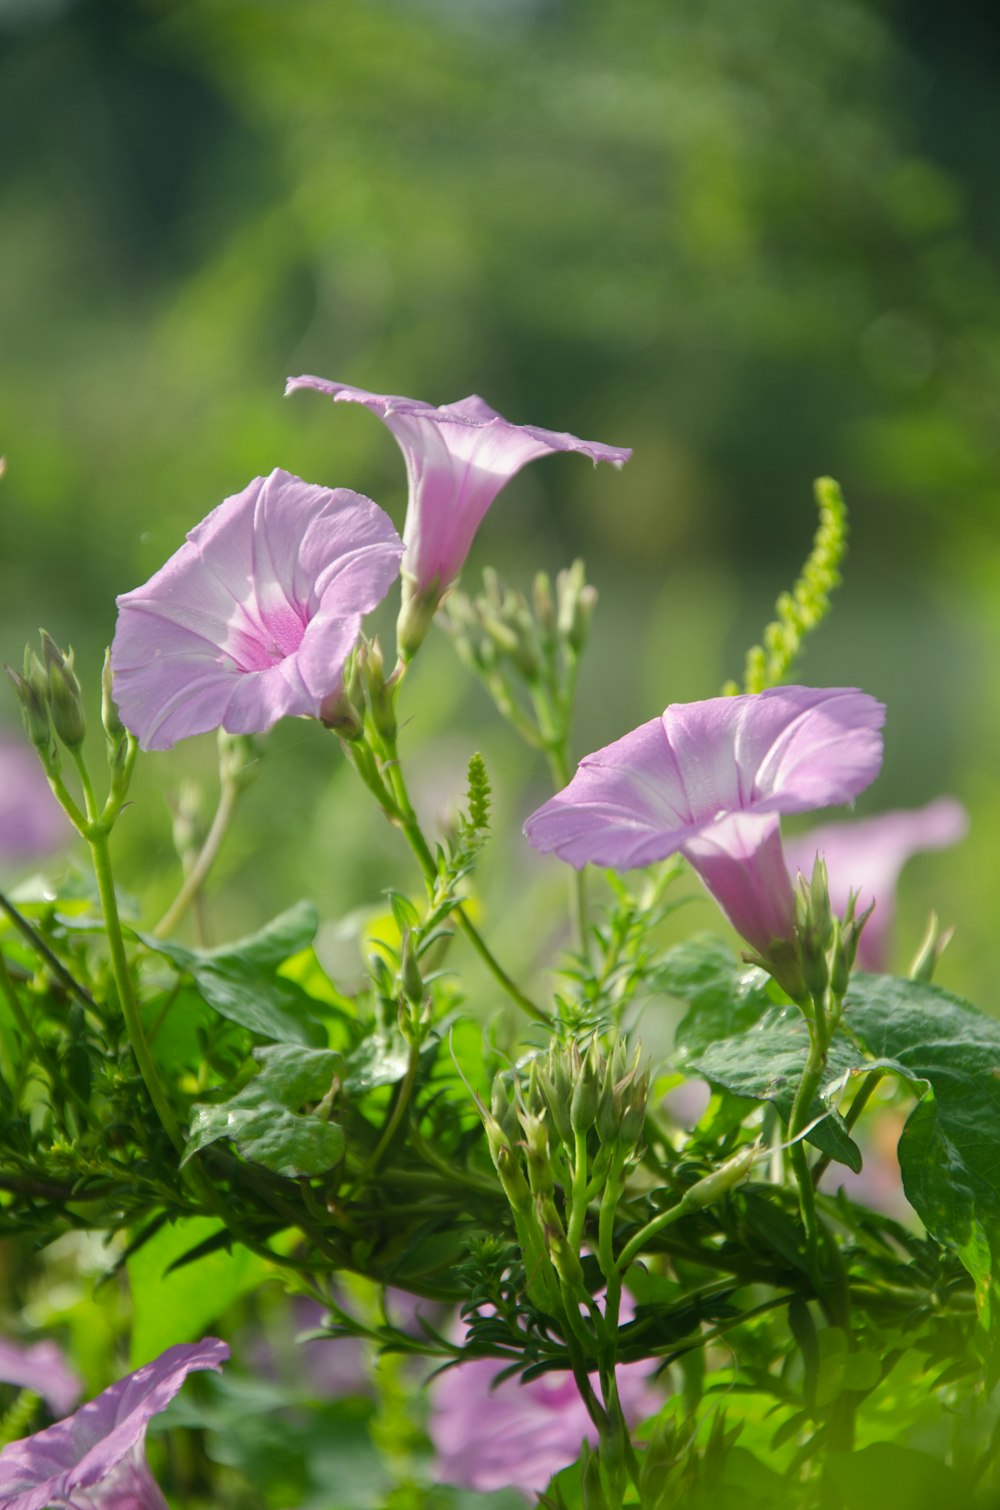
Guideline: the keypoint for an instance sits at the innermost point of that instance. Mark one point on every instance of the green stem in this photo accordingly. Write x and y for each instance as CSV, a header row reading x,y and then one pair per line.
x,y
652,1229
98,840
867,1089
397,1113
207,856
33,937
808,1087
578,1200
402,813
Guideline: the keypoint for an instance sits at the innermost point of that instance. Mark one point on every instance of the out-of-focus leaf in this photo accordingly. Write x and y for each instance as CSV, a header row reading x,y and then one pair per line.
x,y
723,995
242,981
178,1306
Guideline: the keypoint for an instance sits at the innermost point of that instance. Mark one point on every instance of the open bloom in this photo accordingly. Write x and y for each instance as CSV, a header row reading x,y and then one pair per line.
x,y
94,1459
868,855
457,459
710,779
254,617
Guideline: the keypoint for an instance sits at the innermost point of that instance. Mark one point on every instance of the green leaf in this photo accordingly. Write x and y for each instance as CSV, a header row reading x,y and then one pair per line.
x,y
724,996
376,1061
886,1474
949,1152
264,1121
241,981
766,1064
179,1305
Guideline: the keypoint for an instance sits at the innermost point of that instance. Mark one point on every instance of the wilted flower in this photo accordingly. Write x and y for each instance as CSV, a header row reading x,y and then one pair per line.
x,y
254,617
710,779
40,1367
868,855
94,1459
458,457
514,1435
32,824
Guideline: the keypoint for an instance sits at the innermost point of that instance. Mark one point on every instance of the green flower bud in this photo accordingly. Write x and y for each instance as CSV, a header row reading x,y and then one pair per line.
x,y
409,971
65,697
586,1092
239,759
379,694
846,947
415,617
34,715
113,726
719,1183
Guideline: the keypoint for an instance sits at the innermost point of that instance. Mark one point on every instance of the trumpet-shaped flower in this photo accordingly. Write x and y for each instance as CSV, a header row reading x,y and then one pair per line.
x,y
94,1459
40,1367
254,617
710,780
458,457
868,855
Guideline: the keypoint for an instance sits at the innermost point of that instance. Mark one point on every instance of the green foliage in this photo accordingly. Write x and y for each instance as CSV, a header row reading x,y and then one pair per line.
x,y
265,1119
803,609
242,980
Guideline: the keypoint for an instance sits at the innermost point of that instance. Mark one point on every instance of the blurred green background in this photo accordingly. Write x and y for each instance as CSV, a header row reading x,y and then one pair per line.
x,y
754,242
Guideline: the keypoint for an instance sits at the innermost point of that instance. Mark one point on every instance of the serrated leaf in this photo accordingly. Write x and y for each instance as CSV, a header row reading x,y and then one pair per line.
x,y
241,981
766,1064
724,996
264,1118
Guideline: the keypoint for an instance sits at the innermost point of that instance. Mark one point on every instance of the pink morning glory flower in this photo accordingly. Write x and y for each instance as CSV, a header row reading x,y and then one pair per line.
x,y
458,457
868,856
516,1436
32,824
94,1459
710,780
254,617
40,1367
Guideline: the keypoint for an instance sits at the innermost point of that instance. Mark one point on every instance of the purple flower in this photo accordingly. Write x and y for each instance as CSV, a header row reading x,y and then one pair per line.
x,y
94,1459
255,615
868,856
514,1435
710,780
457,459
40,1367
32,824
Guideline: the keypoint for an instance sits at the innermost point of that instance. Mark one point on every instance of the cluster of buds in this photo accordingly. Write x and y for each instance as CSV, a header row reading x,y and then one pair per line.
x,y
501,624
366,692
559,1124
51,701
828,945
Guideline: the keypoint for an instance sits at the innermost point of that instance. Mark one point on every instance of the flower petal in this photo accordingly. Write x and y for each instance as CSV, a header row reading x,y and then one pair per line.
x,y
235,630
458,457
89,1445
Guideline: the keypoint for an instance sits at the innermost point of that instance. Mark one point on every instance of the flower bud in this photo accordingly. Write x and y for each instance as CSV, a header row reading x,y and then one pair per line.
x,y
379,694
409,971
846,947
34,715
814,926
586,1092
576,605
65,700
934,943
239,759
415,616
719,1183
113,726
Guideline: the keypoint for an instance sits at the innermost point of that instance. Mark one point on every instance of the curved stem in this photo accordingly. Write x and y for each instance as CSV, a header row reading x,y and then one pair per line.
x,y
402,813
207,856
